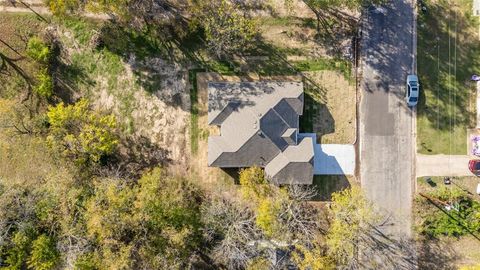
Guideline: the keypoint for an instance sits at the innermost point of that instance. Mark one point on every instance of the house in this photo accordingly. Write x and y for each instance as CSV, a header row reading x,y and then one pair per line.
x,y
259,126
476,7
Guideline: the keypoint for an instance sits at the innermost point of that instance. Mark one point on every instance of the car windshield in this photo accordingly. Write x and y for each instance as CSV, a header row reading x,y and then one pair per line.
x,y
413,99
477,166
413,83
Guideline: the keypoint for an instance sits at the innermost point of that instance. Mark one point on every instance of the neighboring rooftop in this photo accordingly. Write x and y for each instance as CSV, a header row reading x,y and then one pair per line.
x,y
259,124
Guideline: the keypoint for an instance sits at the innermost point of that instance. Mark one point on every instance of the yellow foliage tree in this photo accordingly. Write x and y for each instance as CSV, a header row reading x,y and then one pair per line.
x,y
81,133
352,214
311,259
254,186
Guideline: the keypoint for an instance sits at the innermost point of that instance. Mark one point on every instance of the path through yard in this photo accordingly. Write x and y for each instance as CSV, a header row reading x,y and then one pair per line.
x,y
37,7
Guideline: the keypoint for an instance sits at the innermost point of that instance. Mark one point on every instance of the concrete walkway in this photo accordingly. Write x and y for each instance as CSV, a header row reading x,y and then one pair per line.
x,y
443,165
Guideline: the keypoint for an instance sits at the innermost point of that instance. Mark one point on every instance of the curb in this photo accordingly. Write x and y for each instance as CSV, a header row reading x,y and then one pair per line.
x,y
414,111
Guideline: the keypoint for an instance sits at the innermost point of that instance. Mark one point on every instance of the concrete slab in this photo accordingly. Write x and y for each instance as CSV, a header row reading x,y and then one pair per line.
x,y
443,165
332,159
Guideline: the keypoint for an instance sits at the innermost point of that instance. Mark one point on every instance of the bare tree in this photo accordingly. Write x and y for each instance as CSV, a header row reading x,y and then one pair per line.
x,y
298,216
230,228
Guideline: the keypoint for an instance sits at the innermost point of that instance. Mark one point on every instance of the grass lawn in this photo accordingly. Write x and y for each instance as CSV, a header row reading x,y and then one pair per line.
x,y
448,54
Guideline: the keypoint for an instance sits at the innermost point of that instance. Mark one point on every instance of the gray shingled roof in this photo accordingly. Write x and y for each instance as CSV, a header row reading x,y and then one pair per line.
x,y
258,124
294,165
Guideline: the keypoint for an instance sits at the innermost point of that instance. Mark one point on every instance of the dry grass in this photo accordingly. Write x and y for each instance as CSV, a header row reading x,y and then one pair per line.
x,y
15,31
332,110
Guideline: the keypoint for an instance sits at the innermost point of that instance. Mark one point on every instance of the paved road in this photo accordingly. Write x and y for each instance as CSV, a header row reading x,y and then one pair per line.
x,y
387,140
443,165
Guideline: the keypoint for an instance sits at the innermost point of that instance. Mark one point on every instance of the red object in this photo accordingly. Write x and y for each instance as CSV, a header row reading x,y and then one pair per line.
x,y
474,166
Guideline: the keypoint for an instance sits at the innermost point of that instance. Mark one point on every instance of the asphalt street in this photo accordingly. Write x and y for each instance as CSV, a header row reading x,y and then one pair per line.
x,y
386,135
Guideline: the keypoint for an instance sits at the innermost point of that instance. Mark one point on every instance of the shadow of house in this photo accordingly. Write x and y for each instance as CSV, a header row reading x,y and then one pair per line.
x,y
326,185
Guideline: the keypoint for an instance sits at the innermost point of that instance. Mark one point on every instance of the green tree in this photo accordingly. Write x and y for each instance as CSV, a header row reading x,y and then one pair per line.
x,y
64,7
44,255
267,217
169,209
18,253
81,133
151,225
312,258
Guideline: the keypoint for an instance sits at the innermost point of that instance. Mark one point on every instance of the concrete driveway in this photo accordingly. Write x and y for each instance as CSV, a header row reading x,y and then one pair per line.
x,y
443,165
386,127
332,159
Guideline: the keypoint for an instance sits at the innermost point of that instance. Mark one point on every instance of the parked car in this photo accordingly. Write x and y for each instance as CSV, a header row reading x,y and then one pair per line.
x,y
474,166
413,88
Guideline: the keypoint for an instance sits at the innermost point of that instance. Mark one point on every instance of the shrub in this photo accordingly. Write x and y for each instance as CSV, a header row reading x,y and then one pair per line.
x,y
44,254
38,50
44,87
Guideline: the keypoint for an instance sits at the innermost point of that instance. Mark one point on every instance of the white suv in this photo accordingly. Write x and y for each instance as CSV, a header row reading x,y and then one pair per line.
x,y
413,88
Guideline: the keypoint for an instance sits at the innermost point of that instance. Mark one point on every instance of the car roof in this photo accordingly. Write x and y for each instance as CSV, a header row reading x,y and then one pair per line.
x,y
412,77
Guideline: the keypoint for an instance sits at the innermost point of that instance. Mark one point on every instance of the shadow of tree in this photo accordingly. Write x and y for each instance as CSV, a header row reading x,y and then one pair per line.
x,y
445,67
434,254
383,252
67,76
135,155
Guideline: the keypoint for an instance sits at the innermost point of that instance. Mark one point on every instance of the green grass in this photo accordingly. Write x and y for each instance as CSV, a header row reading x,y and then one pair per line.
x,y
82,29
306,120
448,54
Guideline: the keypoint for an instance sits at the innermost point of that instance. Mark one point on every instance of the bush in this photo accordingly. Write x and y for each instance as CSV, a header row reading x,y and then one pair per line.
x,y
38,50
464,218
44,254
44,87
